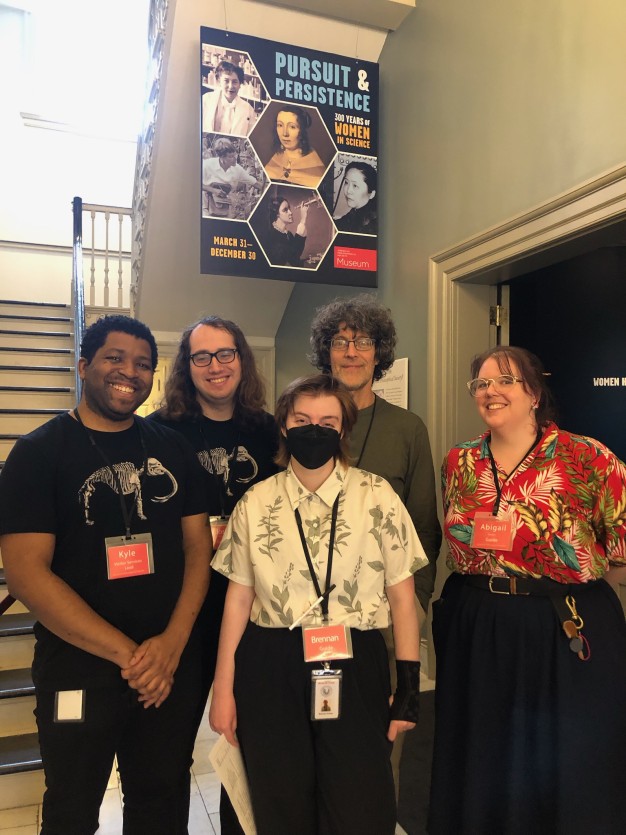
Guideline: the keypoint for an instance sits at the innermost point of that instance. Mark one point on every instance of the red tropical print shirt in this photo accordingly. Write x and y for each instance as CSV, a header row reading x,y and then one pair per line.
x,y
567,500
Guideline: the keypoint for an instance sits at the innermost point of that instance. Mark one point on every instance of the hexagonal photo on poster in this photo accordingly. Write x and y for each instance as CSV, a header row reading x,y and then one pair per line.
x,y
233,178
349,191
235,95
293,227
293,144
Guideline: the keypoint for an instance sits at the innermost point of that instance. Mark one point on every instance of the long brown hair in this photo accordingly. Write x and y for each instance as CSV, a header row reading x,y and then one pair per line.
x,y
180,392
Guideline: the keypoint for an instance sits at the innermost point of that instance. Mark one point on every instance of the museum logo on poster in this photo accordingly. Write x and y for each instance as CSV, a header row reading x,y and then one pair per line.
x,y
289,162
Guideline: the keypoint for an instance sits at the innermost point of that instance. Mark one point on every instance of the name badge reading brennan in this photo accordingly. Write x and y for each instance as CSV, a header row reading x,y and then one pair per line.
x,y
493,533
326,643
130,557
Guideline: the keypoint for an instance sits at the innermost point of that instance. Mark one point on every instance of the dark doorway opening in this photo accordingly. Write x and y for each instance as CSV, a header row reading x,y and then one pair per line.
x,y
572,314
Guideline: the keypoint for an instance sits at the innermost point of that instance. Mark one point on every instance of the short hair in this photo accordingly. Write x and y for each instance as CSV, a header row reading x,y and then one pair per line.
x,y
228,66
223,146
531,370
96,335
304,123
370,175
360,313
316,385
274,205
180,393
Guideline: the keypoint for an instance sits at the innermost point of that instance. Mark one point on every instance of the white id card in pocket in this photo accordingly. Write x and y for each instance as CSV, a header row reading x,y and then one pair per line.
x,y
69,706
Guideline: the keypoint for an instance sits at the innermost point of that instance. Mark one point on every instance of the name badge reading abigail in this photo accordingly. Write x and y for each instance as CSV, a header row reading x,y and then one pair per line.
x,y
130,557
326,643
493,533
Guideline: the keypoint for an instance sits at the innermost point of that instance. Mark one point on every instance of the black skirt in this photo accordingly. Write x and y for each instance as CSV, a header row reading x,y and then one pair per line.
x,y
529,739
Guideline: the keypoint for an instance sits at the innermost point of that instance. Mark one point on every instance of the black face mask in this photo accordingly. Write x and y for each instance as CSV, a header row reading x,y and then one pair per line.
x,y
312,445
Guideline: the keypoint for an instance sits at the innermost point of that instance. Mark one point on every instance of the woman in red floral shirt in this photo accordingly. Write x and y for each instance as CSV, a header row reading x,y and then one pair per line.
x,y
530,636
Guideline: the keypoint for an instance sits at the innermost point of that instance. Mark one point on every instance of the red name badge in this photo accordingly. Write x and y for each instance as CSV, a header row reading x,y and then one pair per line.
x,y
130,557
493,533
326,643
218,526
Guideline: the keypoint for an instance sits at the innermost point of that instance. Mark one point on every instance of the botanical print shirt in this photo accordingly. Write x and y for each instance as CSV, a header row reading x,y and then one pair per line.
x,y
567,500
375,546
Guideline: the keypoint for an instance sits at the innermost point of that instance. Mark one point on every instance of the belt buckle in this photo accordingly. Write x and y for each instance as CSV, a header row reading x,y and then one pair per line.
x,y
496,591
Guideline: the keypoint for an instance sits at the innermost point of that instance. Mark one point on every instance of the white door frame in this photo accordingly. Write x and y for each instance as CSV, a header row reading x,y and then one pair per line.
x,y
460,285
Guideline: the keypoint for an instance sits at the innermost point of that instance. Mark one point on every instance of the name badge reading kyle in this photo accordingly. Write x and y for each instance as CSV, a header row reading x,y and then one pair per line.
x,y
130,557
326,643
218,526
493,533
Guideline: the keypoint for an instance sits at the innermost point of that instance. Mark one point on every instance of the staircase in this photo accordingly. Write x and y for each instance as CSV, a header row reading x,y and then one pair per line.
x,y
36,383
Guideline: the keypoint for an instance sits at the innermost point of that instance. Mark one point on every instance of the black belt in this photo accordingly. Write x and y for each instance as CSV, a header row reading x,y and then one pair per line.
x,y
518,585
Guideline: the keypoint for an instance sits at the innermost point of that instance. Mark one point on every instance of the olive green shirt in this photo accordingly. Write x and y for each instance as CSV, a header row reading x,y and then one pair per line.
x,y
398,449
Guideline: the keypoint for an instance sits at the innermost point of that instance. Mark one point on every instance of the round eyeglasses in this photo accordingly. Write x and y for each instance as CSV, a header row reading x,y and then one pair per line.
x,y
479,386
204,358
363,343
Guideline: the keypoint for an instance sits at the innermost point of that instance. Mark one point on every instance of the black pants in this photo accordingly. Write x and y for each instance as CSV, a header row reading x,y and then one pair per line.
x,y
314,777
153,753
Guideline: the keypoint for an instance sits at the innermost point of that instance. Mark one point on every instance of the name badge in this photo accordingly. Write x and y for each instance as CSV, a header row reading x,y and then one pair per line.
x,y
326,694
130,557
493,533
326,643
218,526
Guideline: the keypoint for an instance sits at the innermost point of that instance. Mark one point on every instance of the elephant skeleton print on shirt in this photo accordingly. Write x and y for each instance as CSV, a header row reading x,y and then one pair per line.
x,y
219,462
129,480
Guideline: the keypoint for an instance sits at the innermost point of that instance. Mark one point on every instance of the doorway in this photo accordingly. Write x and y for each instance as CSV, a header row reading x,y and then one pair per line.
x,y
572,315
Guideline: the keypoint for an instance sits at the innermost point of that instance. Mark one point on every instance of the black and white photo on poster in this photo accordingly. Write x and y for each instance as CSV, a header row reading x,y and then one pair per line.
x,y
289,162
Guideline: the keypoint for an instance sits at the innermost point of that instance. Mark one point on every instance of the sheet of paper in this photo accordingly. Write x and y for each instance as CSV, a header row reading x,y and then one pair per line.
x,y
229,767
394,386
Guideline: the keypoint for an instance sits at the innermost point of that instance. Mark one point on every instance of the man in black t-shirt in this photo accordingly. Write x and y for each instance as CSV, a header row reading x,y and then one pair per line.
x,y
105,539
215,397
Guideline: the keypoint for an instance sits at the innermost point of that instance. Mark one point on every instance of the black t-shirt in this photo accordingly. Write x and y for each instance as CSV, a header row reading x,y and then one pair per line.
x,y
55,481
234,458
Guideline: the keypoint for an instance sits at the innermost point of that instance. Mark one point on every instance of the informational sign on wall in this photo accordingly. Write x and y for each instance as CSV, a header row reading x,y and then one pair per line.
x,y
289,162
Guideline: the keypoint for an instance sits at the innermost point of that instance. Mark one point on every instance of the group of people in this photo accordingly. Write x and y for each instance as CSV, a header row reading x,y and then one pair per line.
x,y
322,529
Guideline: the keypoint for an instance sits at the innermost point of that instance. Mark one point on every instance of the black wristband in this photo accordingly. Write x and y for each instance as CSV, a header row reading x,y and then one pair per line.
x,y
406,701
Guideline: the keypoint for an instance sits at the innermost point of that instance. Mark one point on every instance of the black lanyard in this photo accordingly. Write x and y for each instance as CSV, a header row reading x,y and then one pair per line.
x,y
367,434
127,515
223,487
494,470
329,567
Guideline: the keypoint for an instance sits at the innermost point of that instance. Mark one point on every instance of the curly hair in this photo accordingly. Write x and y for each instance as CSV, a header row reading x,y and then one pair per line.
x,y
360,313
180,393
96,335
531,369
316,385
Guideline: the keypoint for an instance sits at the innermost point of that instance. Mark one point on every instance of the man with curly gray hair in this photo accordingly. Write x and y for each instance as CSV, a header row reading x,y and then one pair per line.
x,y
354,339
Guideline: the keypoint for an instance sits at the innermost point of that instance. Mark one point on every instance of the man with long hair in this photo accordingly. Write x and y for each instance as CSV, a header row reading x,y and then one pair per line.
x,y
215,396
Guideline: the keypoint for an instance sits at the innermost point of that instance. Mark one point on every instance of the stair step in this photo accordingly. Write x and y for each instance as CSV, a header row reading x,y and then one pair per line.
x,y
23,355
29,305
42,368
22,421
19,753
14,625
23,340
20,317
16,683
38,399
17,652
34,379
36,389
33,324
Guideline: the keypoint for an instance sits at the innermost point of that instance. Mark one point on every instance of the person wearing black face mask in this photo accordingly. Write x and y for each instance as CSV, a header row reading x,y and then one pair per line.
x,y
319,558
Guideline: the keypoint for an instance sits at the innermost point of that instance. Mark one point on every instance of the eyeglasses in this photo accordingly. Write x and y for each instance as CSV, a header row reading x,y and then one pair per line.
x,y
204,358
363,343
479,386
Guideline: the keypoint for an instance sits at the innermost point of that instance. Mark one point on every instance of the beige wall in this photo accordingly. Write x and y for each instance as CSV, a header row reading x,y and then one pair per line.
x,y
487,108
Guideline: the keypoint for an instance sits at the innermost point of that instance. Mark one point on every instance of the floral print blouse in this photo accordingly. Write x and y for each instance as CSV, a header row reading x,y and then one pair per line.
x,y
567,500
375,546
